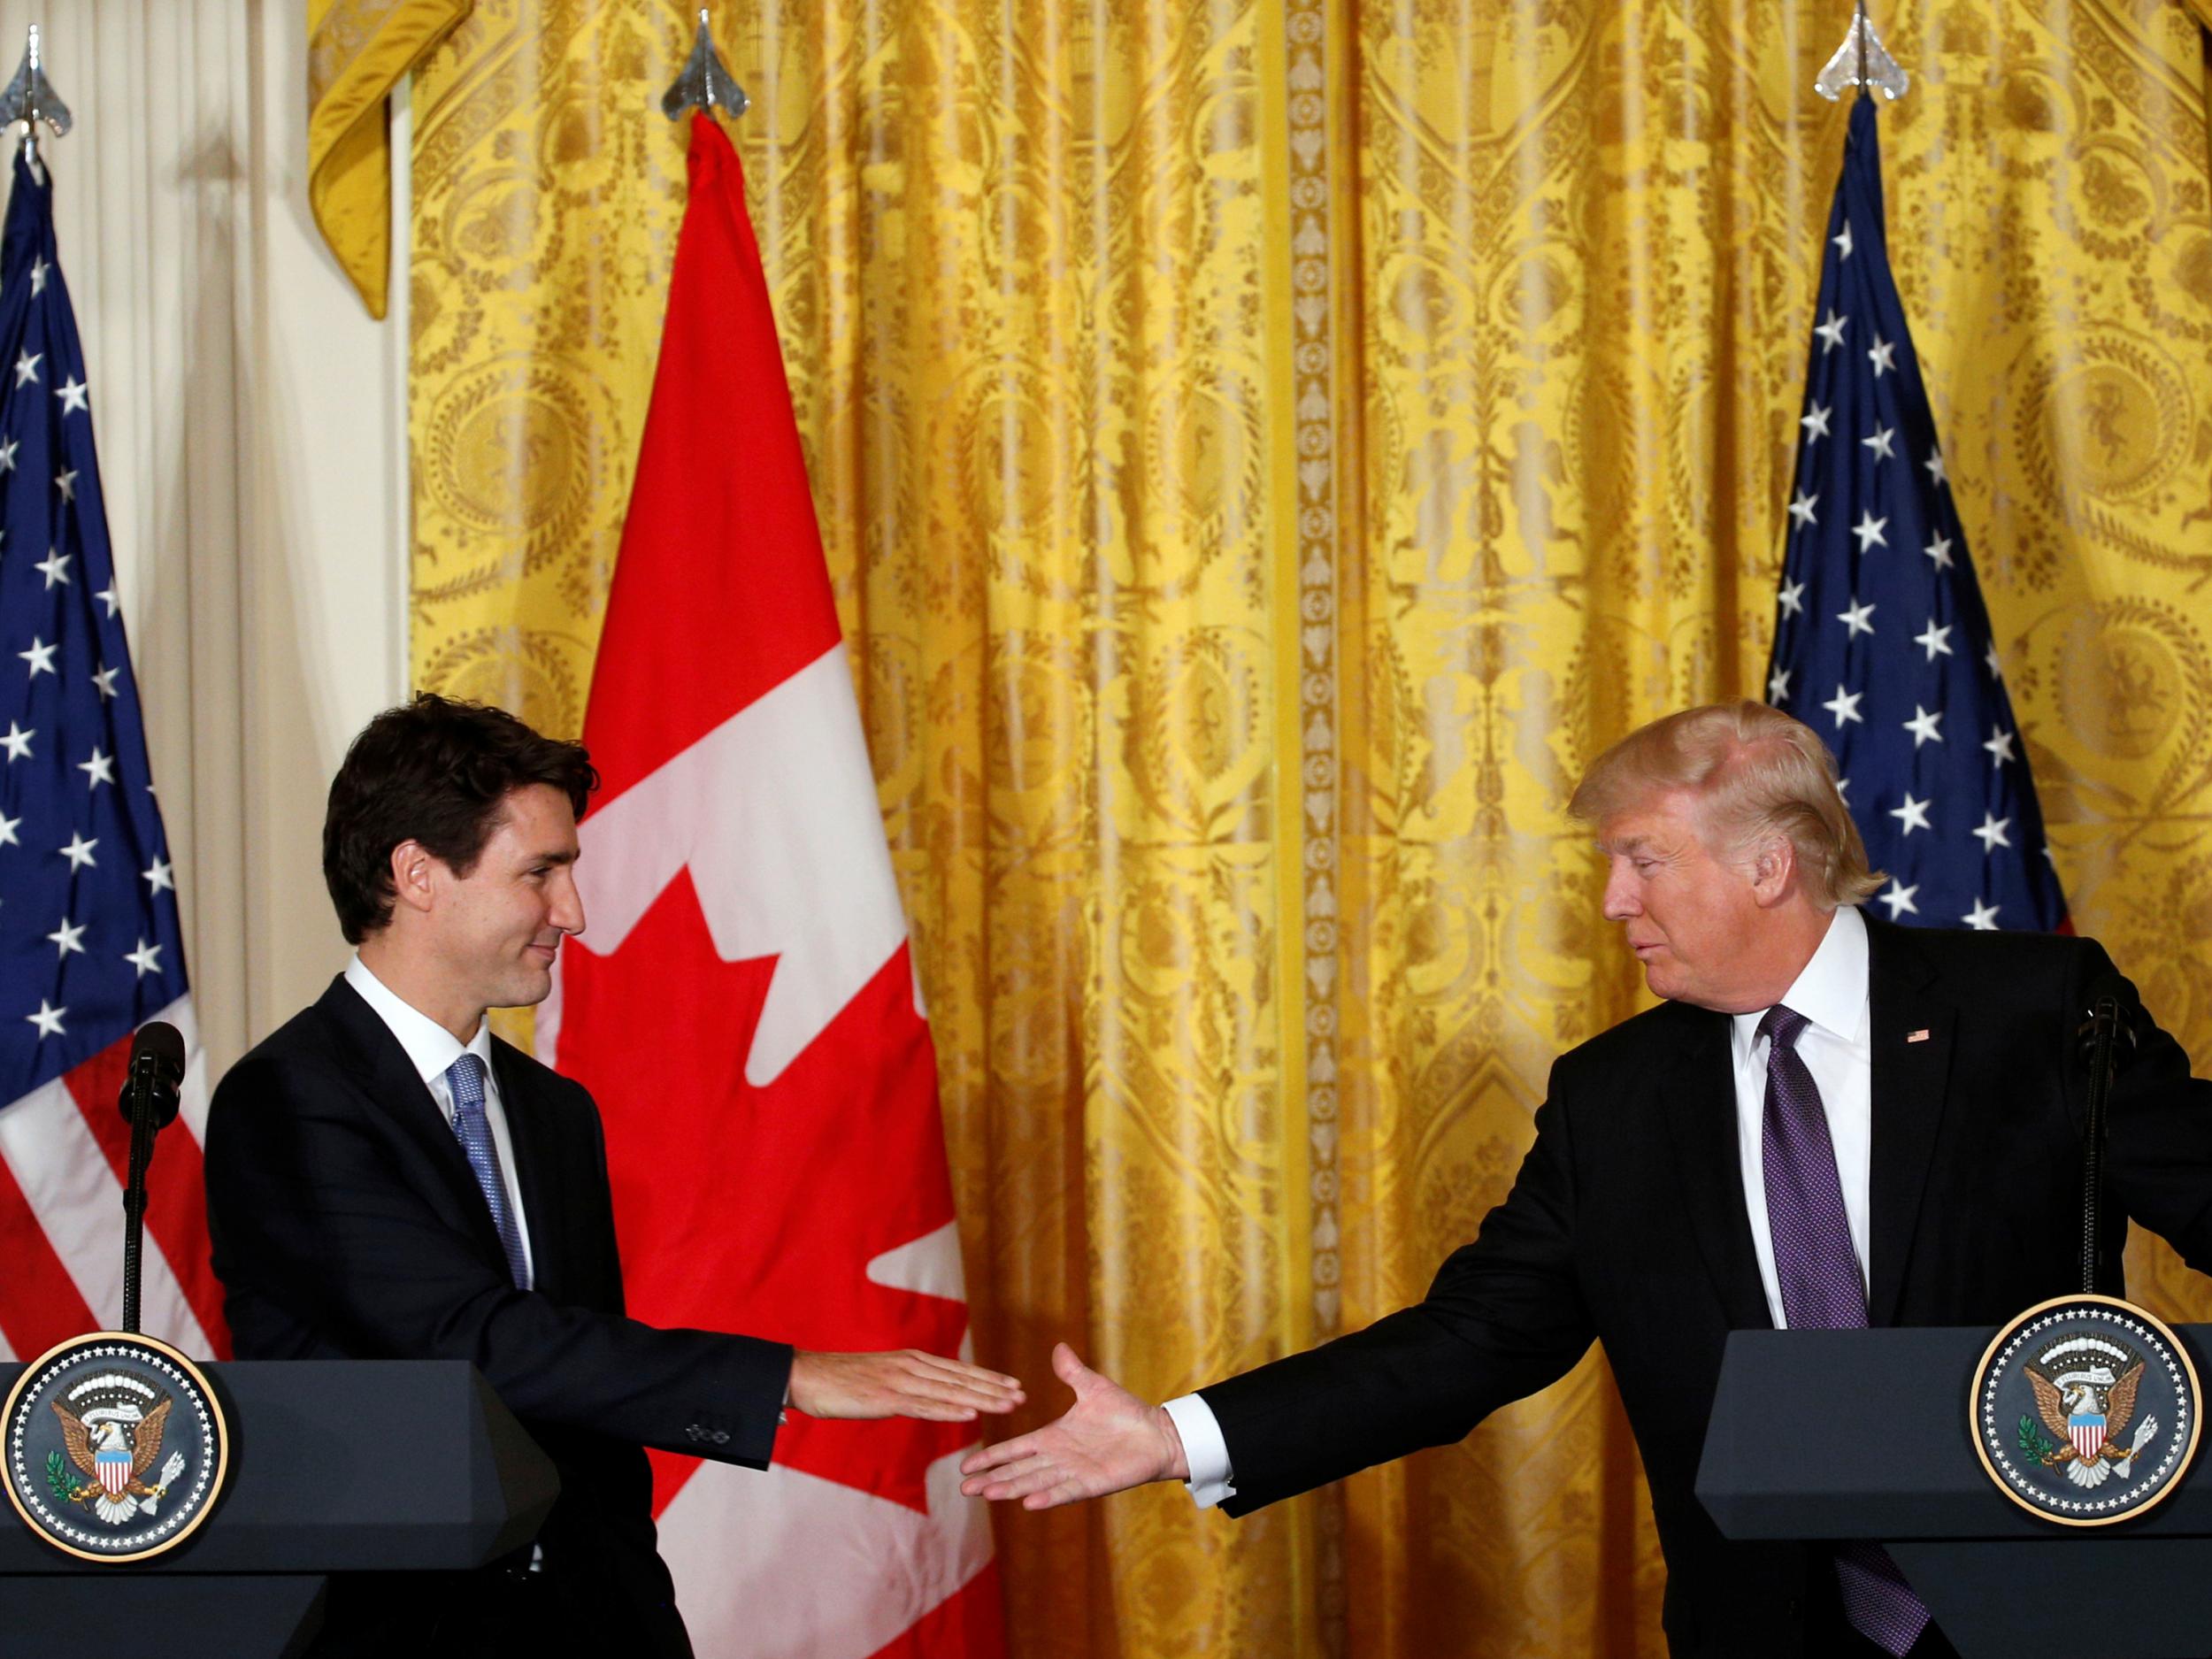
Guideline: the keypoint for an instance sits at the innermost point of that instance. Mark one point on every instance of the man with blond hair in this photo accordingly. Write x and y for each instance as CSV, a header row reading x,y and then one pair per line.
x,y
1829,1122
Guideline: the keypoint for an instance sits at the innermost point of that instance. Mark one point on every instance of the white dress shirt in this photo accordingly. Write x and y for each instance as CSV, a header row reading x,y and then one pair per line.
x,y
1837,1045
431,1050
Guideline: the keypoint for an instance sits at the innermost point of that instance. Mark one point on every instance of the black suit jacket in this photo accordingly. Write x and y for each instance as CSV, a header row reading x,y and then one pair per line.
x,y
1627,1224
347,1225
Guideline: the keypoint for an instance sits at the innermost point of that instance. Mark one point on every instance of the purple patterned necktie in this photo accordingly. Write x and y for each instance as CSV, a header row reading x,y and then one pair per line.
x,y
1818,1272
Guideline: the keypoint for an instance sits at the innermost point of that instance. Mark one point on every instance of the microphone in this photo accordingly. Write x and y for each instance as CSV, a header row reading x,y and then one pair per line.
x,y
148,1100
2111,999
156,1075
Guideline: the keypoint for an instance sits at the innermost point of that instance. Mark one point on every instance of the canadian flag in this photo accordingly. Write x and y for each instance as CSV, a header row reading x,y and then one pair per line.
x,y
744,1008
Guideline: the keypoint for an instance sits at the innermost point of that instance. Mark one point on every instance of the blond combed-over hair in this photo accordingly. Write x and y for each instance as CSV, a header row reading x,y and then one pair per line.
x,y
1754,773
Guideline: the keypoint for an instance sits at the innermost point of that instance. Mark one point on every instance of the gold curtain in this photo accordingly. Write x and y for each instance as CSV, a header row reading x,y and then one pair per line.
x,y
1265,449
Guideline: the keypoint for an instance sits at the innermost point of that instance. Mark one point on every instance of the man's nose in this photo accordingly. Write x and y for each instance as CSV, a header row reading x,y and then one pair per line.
x,y
568,906
1620,897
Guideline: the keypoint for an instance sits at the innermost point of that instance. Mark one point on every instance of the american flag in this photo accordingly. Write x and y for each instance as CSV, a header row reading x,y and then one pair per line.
x,y
1881,643
90,946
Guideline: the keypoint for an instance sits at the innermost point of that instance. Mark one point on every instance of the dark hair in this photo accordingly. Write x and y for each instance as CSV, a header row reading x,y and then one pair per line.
x,y
432,771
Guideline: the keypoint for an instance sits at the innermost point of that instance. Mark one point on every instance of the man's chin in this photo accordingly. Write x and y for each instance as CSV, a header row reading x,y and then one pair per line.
x,y
528,989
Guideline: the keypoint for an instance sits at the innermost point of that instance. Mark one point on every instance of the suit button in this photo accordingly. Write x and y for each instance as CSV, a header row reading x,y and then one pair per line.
x,y
695,1433
721,1437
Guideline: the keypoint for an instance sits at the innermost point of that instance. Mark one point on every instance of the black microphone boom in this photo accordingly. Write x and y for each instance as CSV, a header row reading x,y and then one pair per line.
x,y
148,1100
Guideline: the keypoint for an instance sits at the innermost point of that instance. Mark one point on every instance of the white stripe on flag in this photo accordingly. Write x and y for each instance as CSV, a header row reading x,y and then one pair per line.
x,y
787,1565
6,1353
65,1179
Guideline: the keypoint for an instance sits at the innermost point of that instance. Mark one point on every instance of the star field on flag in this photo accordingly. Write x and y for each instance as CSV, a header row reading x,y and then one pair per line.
x,y
1881,641
91,945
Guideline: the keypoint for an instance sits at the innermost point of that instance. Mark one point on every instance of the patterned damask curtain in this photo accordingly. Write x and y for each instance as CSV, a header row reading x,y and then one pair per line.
x,y
1266,448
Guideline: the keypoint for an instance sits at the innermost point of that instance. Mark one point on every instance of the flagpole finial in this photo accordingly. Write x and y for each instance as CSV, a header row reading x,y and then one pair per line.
x,y
1862,61
30,99
704,82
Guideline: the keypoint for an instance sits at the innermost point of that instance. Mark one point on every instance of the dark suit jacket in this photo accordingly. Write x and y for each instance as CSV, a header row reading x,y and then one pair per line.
x,y
1627,1224
347,1225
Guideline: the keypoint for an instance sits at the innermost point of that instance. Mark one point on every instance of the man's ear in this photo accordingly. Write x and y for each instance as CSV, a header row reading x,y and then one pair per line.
x,y
1773,871
414,875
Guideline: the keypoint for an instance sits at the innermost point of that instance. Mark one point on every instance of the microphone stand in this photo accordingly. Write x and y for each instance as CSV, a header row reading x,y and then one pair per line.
x,y
2102,1032
148,1100
139,1092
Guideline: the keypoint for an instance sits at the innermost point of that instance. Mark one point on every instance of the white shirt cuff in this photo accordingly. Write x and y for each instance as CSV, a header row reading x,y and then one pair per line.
x,y
1204,1449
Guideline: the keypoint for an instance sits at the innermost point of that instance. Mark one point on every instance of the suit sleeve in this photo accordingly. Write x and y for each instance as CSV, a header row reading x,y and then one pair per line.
x,y
308,1208
1504,1317
2158,1149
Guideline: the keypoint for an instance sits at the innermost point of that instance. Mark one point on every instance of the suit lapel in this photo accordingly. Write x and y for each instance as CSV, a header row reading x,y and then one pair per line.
x,y
533,1166
1910,1031
391,1082
1701,1106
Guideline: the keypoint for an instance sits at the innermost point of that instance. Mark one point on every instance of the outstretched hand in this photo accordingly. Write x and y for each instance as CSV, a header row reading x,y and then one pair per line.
x,y
906,1383
1108,1441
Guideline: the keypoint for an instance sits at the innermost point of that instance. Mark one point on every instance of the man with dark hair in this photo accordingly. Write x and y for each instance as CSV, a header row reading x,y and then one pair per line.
x,y
388,1180
433,770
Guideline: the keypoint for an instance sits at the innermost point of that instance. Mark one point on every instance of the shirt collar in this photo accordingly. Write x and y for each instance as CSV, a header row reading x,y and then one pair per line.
x,y
431,1049
1831,989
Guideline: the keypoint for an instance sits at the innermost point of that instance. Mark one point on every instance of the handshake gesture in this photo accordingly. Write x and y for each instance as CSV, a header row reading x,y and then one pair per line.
x,y
1107,1441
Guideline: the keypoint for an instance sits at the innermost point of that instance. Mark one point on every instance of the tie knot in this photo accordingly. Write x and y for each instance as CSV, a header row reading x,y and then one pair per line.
x,y
465,1078
1780,1026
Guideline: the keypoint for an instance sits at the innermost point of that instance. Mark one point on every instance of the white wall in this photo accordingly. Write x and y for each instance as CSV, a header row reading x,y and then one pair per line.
x,y
251,421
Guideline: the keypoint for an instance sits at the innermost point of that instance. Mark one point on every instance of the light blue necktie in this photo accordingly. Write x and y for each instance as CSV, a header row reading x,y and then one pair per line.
x,y
465,1078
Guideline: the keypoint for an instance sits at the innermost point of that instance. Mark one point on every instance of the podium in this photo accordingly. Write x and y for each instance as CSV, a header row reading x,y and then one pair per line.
x,y
1863,1434
337,1466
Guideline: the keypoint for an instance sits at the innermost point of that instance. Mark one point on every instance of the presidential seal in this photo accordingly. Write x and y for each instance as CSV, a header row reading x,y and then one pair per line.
x,y
2084,1410
115,1446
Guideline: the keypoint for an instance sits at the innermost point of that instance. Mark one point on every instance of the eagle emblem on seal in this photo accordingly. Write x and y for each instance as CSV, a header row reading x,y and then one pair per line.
x,y
113,1436
2085,1392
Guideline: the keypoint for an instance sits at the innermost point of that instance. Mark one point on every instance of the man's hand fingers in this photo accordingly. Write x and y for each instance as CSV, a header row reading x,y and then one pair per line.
x,y
977,1375
1066,1492
988,1390
1033,1475
934,1411
1066,1367
913,1388
983,1459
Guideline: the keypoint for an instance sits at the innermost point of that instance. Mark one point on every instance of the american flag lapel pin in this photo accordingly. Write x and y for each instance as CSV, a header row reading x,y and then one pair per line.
x,y
1918,1036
